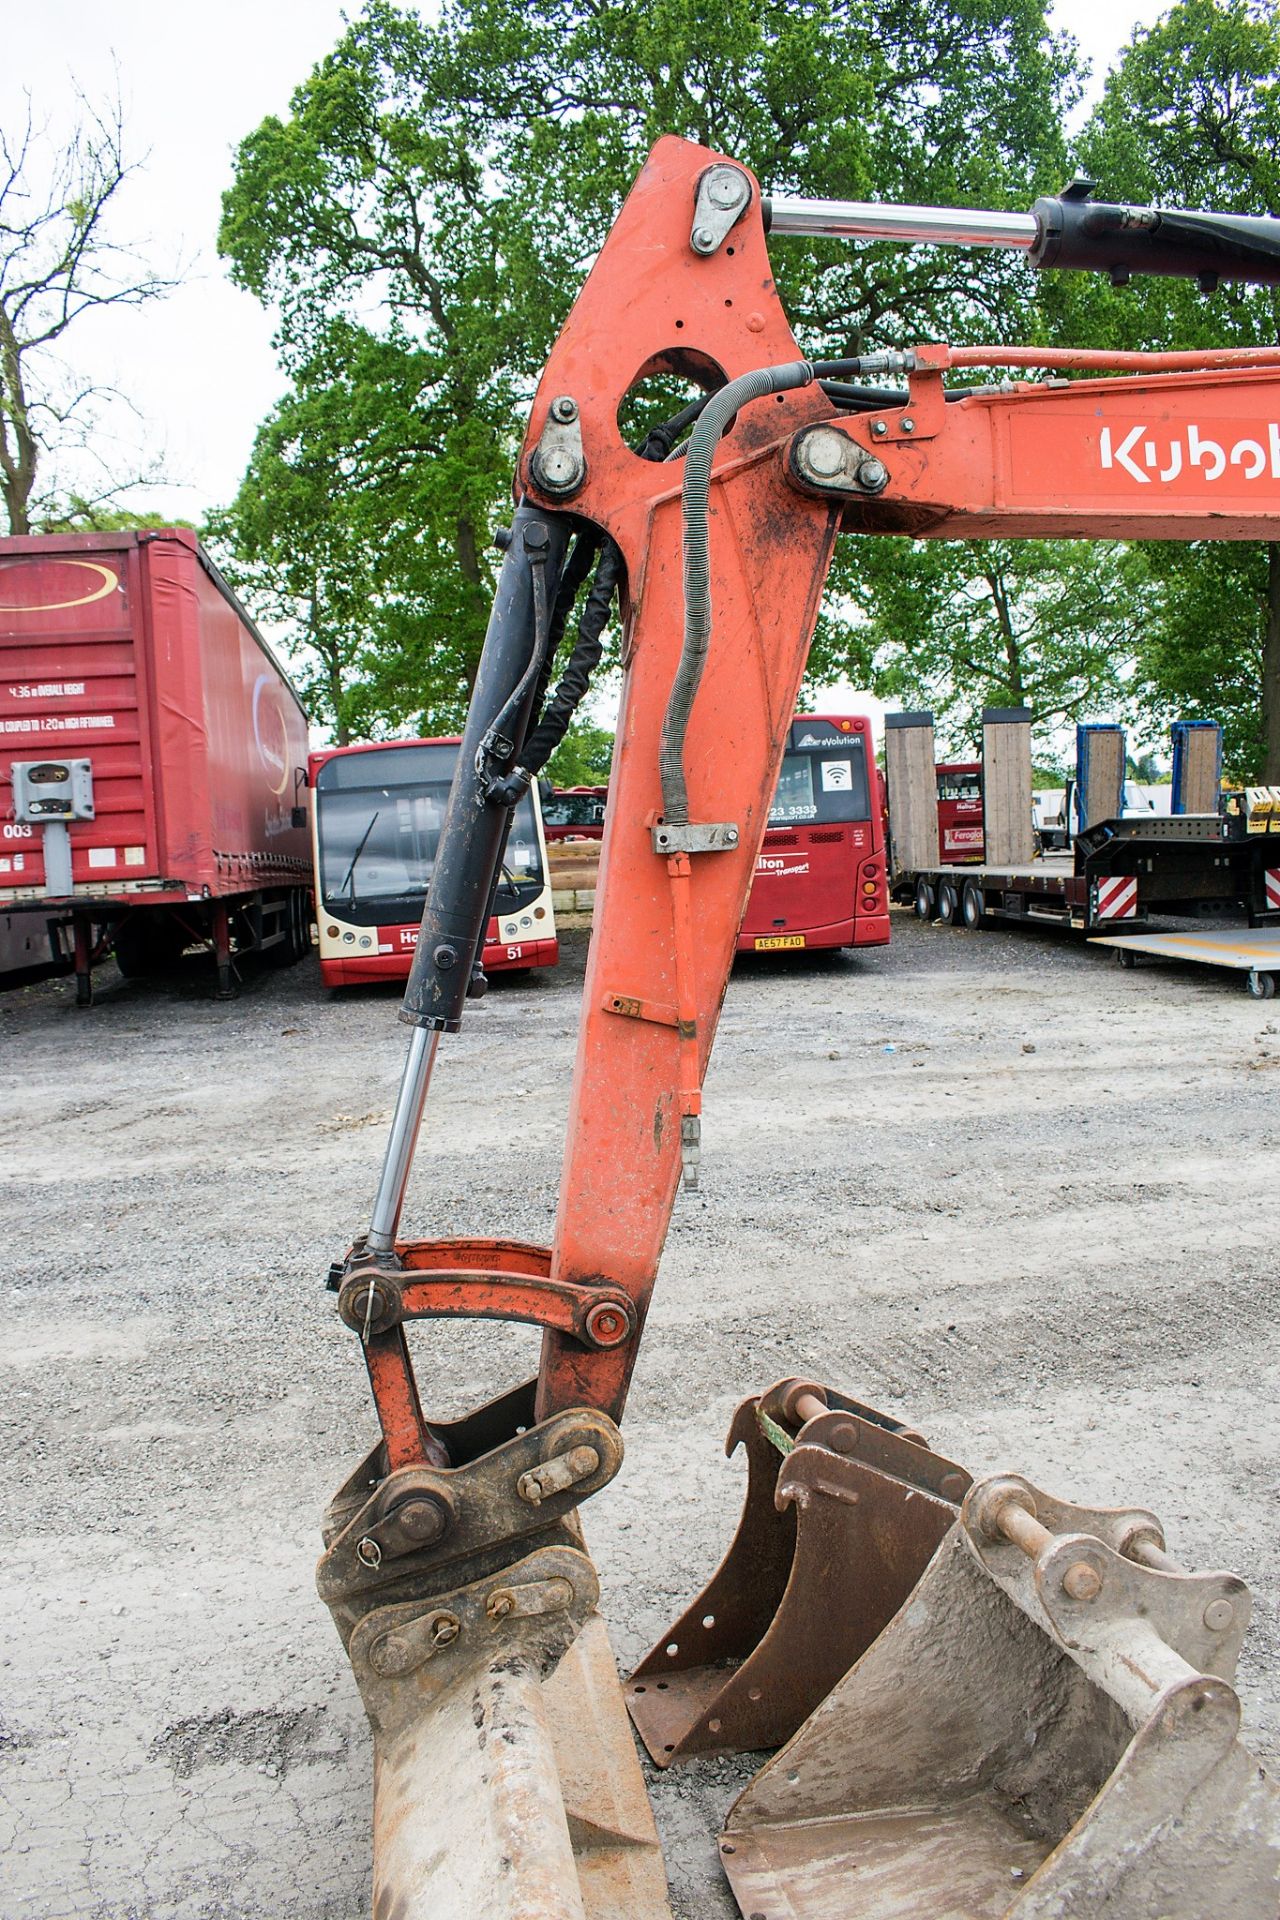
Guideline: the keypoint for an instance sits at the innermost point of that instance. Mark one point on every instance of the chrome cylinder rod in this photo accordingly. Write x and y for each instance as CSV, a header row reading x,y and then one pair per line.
x,y
868,220
403,1138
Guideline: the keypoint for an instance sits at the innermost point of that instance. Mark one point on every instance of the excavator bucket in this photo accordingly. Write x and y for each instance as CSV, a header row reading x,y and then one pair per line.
x,y
1047,1731
506,1780
844,1510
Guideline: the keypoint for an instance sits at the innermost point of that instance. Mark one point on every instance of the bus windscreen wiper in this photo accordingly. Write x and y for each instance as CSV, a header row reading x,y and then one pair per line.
x,y
349,877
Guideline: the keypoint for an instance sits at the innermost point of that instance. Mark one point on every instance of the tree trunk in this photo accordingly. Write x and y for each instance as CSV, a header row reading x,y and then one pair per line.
x,y
1012,647
1271,671
18,450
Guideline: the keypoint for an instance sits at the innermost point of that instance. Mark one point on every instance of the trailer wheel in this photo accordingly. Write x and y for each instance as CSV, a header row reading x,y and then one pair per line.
x,y
948,904
1262,986
971,905
148,941
924,899
1126,958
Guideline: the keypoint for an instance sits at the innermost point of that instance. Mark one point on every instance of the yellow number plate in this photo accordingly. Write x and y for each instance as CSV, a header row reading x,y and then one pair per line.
x,y
780,940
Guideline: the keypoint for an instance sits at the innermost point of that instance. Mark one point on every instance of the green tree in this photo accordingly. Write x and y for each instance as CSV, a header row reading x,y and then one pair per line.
x,y
438,190
1191,117
337,533
961,625
583,758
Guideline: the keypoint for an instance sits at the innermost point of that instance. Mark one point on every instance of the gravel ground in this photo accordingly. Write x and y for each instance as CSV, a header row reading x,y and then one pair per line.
x,y
992,1181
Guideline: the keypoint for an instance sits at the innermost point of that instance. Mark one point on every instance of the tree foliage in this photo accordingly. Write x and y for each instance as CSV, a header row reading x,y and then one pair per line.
x,y
58,262
583,758
961,625
422,219
1191,117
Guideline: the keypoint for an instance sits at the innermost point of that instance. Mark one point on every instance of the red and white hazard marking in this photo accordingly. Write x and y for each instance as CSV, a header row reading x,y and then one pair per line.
x,y
1273,889
1118,897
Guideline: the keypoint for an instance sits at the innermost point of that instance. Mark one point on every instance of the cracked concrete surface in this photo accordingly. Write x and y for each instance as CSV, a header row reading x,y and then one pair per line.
x,y
1059,1260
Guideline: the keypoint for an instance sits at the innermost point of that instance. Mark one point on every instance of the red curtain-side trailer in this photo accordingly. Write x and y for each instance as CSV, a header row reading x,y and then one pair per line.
x,y
152,756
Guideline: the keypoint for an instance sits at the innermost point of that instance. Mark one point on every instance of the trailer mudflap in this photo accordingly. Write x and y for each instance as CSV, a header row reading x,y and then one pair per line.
x,y
1045,1732
842,1515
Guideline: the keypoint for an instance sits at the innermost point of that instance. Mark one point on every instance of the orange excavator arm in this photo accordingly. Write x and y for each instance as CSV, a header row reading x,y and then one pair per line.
x,y
453,1552
1186,454
1172,446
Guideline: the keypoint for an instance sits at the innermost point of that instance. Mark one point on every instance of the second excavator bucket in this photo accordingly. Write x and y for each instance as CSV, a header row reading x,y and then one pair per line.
x,y
844,1509
1047,1731
506,1780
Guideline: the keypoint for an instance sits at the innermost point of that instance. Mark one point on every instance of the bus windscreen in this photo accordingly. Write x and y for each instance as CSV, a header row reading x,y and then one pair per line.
x,y
822,785
379,817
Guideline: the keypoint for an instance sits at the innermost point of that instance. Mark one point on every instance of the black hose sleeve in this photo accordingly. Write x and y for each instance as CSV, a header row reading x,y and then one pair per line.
x,y
553,723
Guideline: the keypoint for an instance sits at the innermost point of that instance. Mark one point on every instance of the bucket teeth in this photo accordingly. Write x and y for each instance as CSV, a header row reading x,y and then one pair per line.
x,y
842,1515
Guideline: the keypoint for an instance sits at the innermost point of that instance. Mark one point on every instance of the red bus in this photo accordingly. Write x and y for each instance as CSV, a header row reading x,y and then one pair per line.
x,y
820,877
960,811
376,821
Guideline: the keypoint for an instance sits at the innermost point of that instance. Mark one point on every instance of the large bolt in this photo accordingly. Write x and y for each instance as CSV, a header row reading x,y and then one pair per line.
x,y
605,1324
558,469
391,1654
369,1301
558,1474
564,409
419,1519
873,475
1219,1615
823,453
1081,1581
726,189
842,1436
704,239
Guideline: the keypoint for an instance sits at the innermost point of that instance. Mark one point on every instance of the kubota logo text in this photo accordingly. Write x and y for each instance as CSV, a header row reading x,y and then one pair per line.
x,y
1145,457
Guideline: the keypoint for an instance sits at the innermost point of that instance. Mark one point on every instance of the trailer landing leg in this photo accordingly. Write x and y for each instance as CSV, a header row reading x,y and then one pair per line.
x,y
227,982
84,962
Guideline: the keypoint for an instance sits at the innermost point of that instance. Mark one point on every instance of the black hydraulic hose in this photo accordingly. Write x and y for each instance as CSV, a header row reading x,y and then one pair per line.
x,y
586,550
554,716
714,418
497,742
553,723
660,440
577,567
872,399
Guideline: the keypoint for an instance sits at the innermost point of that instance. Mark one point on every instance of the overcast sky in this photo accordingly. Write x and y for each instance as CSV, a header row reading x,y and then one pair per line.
x,y
199,365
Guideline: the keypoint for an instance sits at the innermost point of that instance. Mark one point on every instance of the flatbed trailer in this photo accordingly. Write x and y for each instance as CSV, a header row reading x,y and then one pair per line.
x,y
1118,875
1253,951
